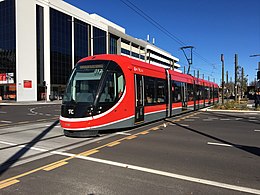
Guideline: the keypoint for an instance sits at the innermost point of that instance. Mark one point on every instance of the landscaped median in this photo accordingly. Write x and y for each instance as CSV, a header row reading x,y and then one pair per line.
x,y
232,105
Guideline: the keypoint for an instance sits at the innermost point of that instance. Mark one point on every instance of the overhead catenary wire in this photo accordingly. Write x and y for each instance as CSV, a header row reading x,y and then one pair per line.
x,y
148,18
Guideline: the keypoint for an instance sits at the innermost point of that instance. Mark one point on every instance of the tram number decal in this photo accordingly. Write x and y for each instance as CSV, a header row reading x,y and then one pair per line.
x,y
71,111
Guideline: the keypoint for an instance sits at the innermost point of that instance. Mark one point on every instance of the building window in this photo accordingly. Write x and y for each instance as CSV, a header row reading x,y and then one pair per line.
x,y
99,41
61,47
7,50
136,55
81,40
113,44
40,44
125,51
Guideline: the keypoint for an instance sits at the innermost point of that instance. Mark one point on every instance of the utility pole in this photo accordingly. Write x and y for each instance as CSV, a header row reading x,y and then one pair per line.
x,y
236,67
223,82
189,59
227,86
242,82
227,77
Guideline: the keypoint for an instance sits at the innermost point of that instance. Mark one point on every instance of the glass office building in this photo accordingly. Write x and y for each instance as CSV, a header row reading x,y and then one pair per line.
x,y
7,50
42,40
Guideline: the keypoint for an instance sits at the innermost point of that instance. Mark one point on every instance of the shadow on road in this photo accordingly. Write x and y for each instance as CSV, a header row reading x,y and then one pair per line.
x,y
245,118
13,159
249,149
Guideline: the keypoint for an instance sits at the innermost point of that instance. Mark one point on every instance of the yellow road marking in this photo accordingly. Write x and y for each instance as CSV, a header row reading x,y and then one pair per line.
x,y
143,133
55,166
131,137
6,184
89,152
33,171
13,180
113,144
155,128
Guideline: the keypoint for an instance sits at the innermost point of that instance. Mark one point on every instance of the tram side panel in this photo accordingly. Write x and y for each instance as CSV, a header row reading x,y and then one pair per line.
x,y
154,95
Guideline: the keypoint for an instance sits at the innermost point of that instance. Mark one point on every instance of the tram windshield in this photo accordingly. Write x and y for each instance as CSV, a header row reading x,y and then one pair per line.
x,y
95,83
84,83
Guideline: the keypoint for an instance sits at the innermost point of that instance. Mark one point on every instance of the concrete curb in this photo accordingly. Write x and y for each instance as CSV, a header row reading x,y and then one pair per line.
x,y
29,103
215,110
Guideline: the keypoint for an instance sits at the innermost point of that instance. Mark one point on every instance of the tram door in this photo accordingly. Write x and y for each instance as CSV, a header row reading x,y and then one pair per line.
x,y
169,93
184,96
139,98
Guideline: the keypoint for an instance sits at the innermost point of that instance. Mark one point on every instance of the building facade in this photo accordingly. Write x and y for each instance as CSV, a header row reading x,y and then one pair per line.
x,y
41,41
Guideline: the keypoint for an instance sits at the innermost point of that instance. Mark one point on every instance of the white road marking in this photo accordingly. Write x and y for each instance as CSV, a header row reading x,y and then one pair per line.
x,y
225,119
207,119
123,133
148,170
2,112
252,117
253,120
219,144
238,119
23,146
31,114
8,143
257,130
54,126
189,120
32,111
6,122
184,125
173,175
194,117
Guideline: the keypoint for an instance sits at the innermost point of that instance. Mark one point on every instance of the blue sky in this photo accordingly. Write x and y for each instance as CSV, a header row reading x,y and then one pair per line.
x,y
213,27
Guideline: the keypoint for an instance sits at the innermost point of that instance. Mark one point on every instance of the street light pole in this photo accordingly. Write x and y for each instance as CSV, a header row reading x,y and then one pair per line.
x,y
222,60
236,67
258,72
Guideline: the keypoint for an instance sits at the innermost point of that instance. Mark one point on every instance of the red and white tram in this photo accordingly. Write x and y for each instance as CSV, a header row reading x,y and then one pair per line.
x,y
113,92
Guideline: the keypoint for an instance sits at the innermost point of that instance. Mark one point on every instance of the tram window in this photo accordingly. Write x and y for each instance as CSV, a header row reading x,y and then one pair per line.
x,y
207,93
190,92
154,91
215,92
211,93
161,91
199,92
202,92
176,91
121,84
149,91
108,94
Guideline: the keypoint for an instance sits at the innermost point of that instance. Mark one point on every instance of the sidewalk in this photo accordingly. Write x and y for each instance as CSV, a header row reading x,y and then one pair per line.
x,y
13,102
